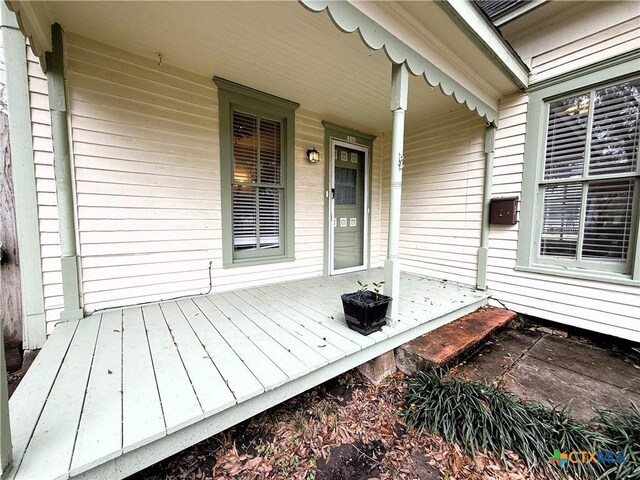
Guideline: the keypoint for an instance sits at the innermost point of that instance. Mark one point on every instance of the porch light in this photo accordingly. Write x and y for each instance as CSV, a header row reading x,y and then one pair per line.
x,y
313,155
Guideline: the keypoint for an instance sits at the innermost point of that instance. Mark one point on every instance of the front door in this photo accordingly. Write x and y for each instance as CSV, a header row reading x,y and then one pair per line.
x,y
348,201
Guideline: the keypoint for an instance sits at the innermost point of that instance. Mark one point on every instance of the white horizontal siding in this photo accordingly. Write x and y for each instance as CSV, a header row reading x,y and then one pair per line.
x,y
146,157
602,307
573,35
442,197
45,190
591,48
378,244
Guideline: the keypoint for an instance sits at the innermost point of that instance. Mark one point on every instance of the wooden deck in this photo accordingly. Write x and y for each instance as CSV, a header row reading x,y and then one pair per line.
x,y
119,390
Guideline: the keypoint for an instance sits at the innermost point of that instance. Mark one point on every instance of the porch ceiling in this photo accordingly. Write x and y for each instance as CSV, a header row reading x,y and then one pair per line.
x,y
277,47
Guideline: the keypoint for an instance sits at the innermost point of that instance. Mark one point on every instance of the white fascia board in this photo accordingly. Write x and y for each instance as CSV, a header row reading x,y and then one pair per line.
x,y
476,26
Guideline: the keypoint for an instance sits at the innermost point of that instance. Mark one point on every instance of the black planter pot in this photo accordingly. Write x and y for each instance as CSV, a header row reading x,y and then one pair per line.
x,y
365,313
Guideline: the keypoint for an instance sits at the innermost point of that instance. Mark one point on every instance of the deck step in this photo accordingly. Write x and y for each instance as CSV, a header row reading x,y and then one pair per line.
x,y
451,341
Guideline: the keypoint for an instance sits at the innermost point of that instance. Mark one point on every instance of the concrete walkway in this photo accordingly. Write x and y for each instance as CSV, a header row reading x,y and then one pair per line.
x,y
557,371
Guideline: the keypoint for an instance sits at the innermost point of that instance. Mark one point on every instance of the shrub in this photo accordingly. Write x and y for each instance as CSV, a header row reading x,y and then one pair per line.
x,y
478,416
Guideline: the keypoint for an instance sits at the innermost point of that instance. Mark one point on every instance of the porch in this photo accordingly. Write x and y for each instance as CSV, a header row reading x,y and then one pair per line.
x,y
122,389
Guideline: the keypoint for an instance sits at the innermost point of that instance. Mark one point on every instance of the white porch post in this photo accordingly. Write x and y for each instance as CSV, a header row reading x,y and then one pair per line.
x,y
399,93
5,429
62,172
6,449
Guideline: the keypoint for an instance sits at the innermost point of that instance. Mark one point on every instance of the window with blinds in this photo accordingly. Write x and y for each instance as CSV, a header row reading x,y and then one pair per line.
x,y
257,175
591,177
257,188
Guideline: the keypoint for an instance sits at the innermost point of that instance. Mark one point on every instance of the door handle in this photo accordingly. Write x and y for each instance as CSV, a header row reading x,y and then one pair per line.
x,y
333,193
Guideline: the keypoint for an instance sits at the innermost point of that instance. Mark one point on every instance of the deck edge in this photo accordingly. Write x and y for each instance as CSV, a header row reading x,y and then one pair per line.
x,y
135,460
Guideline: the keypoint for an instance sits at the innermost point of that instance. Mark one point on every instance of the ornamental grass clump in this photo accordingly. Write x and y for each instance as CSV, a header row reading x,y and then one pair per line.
x,y
479,416
622,426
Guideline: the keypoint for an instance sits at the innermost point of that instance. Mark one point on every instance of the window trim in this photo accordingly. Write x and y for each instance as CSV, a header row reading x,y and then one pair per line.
x,y
233,96
531,207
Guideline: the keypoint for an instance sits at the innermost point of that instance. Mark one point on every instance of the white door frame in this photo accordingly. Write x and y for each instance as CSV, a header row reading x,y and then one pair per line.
x,y
333,142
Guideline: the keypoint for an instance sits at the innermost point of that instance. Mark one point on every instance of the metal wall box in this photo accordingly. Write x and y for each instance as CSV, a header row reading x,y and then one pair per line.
x,y
503,211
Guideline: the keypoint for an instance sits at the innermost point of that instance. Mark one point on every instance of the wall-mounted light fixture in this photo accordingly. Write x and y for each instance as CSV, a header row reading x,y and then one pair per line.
x,y
313,155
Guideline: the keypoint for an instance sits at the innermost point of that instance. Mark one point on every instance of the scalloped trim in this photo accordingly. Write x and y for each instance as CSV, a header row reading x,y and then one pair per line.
x,y
349,19
27,30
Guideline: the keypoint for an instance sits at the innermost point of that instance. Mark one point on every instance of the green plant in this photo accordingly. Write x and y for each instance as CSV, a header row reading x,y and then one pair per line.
x,y
623,427
376,288
364,286
480,417
325,408
362,289
299,422
346,381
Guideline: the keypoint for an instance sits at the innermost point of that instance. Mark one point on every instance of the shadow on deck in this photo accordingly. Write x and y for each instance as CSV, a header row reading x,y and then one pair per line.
x,y
122,389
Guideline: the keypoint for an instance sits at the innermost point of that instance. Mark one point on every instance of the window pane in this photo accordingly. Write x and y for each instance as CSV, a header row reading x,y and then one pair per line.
x,y
608,220
561,220
346,188
244,217
614,137
245,153
566,137
269,217
270,163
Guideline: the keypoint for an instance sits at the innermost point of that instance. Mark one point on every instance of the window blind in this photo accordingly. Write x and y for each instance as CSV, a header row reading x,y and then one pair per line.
x,y
591,174
257,182
614,137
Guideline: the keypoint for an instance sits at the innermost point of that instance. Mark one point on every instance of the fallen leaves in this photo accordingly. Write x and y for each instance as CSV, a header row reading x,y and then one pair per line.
x,y
295,440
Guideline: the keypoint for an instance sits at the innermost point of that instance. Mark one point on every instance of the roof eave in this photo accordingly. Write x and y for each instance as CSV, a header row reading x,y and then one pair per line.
x,y
517,12
487,37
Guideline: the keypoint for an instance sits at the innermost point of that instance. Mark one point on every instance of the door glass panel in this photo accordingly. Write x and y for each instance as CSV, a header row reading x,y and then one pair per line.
x,y
349,209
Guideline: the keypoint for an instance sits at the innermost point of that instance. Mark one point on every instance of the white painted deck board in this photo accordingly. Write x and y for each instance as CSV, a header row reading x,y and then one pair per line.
x,y
195,365
302,330
281,355
303,352
331,292
180,406
212,391
240,380
327,334
52,442
264,369
26,403
100,430
327,311
142,418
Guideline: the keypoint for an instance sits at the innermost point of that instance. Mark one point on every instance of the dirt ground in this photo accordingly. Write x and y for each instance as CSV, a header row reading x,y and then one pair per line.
x,y
345,429
13,380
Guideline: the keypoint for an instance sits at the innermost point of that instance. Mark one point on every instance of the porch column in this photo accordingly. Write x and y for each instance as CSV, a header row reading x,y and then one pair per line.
x,y
483,251
399,93
5,429
6,454
34,330
62,171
